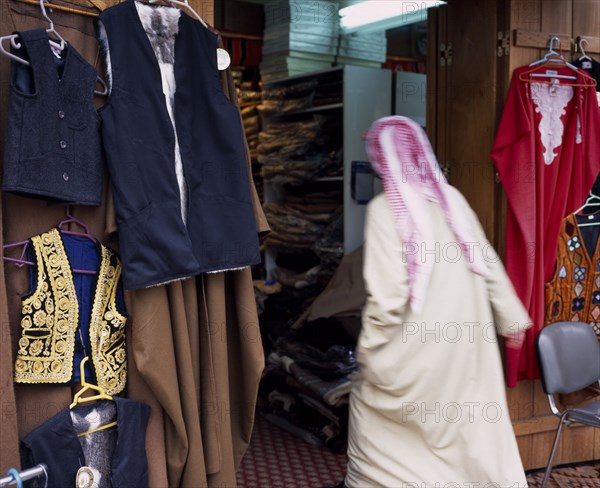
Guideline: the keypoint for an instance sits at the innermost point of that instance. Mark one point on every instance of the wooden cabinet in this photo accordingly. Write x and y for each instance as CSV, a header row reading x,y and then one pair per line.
x,y
473,48
463,87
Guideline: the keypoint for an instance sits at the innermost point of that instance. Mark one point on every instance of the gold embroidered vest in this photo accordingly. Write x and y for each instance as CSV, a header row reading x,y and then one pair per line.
x,y
50,319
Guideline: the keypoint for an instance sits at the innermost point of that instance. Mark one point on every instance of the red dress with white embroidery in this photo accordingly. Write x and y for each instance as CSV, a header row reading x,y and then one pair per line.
x,y
547,153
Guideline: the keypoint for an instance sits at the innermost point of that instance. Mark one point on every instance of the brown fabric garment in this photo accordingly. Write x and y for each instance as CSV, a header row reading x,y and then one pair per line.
x,y
9,457
194,348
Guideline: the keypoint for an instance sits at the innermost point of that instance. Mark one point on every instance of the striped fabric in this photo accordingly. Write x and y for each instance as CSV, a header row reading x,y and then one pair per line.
x,y
401,155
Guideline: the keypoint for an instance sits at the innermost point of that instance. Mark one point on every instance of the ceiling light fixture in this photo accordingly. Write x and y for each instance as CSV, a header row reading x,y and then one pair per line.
x,y
378,15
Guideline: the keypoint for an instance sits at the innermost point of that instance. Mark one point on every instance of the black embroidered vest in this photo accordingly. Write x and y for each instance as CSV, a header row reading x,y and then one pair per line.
x,y
175,149
53,148
50,319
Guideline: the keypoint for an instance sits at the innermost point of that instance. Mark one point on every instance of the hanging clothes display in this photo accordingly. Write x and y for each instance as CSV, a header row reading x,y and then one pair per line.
x,y
71,451
53,148
65,318
573,293
590,66
587,64
547,154
175,149
198,335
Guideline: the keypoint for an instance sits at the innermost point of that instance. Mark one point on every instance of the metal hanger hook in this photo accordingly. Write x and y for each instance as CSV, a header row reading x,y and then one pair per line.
x,y
45,14
581,41
554,38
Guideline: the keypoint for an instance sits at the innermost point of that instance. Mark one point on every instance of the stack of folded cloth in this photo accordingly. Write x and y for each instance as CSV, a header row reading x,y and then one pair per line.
x,y
307,385
299,37
299,225
281,100
292,151
249,99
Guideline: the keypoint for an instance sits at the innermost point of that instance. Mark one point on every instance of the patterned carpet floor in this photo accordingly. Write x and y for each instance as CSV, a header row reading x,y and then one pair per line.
x,y
579,476
277,459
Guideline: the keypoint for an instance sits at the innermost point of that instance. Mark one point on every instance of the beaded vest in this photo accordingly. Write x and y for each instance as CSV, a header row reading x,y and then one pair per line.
x,y
50,320
573,293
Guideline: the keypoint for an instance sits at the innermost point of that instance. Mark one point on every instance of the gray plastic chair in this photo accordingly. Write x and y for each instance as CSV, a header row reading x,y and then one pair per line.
x,y
569,359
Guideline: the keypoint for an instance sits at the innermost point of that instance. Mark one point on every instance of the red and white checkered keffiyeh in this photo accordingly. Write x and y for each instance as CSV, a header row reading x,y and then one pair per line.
x,y
400,153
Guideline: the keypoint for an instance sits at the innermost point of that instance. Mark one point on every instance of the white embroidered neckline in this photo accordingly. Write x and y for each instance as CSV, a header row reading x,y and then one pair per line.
x,y
551,101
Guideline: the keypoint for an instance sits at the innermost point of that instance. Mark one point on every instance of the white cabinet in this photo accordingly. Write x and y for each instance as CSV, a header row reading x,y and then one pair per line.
x,y
351,98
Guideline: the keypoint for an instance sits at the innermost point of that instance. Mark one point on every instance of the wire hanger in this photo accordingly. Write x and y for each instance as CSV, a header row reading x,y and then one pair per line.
x,y
58,45
557,60
583,56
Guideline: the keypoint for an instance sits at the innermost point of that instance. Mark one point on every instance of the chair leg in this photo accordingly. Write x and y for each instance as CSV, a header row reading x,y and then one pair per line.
x,y
563,419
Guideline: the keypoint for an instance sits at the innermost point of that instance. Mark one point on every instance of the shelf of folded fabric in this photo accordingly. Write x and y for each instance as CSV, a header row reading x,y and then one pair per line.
x,y
312,361
304,122
311,133
298,38
362,49
307,381
249,97
309,223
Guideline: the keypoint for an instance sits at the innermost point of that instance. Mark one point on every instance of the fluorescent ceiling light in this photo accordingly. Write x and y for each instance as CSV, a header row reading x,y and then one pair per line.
x,y
372,15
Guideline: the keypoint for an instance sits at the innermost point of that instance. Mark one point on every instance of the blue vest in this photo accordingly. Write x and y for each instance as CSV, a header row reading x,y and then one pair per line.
x,y
55,443
53,145
177,162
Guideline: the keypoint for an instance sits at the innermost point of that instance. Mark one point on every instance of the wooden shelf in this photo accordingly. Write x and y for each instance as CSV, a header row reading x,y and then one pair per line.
x,y
329,178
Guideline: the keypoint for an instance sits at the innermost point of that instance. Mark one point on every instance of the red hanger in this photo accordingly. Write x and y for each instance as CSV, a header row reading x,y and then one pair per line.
x,y
555,59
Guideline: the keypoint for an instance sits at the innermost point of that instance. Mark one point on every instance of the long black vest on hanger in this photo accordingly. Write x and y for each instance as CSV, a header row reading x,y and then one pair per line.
x,y
156,245
53,145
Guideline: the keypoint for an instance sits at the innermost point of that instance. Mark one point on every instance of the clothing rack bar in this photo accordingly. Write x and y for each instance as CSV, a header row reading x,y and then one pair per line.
x,y
236,35
541,40
28,474
61,7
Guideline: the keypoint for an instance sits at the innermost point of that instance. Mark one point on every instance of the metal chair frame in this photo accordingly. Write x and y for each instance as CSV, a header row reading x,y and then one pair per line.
x,y
569,359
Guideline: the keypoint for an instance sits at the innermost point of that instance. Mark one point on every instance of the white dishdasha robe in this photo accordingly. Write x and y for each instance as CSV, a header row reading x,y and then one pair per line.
x,y
429,407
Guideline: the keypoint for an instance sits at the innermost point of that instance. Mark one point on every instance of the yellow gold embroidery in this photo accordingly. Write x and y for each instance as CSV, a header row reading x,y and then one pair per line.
x,y
107,329
38,355
51,317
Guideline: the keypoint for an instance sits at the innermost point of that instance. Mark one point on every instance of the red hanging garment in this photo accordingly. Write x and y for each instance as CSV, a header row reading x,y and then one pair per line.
x,y
547,154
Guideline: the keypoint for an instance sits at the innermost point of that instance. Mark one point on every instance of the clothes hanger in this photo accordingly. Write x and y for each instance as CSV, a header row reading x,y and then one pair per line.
x,y
73,220
591,217
78,399
58,46
583,56
592,200
21,261
558,60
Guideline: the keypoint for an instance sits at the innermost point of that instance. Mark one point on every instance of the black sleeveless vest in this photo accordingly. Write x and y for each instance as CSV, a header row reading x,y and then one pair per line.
x,y
176,155
53,146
